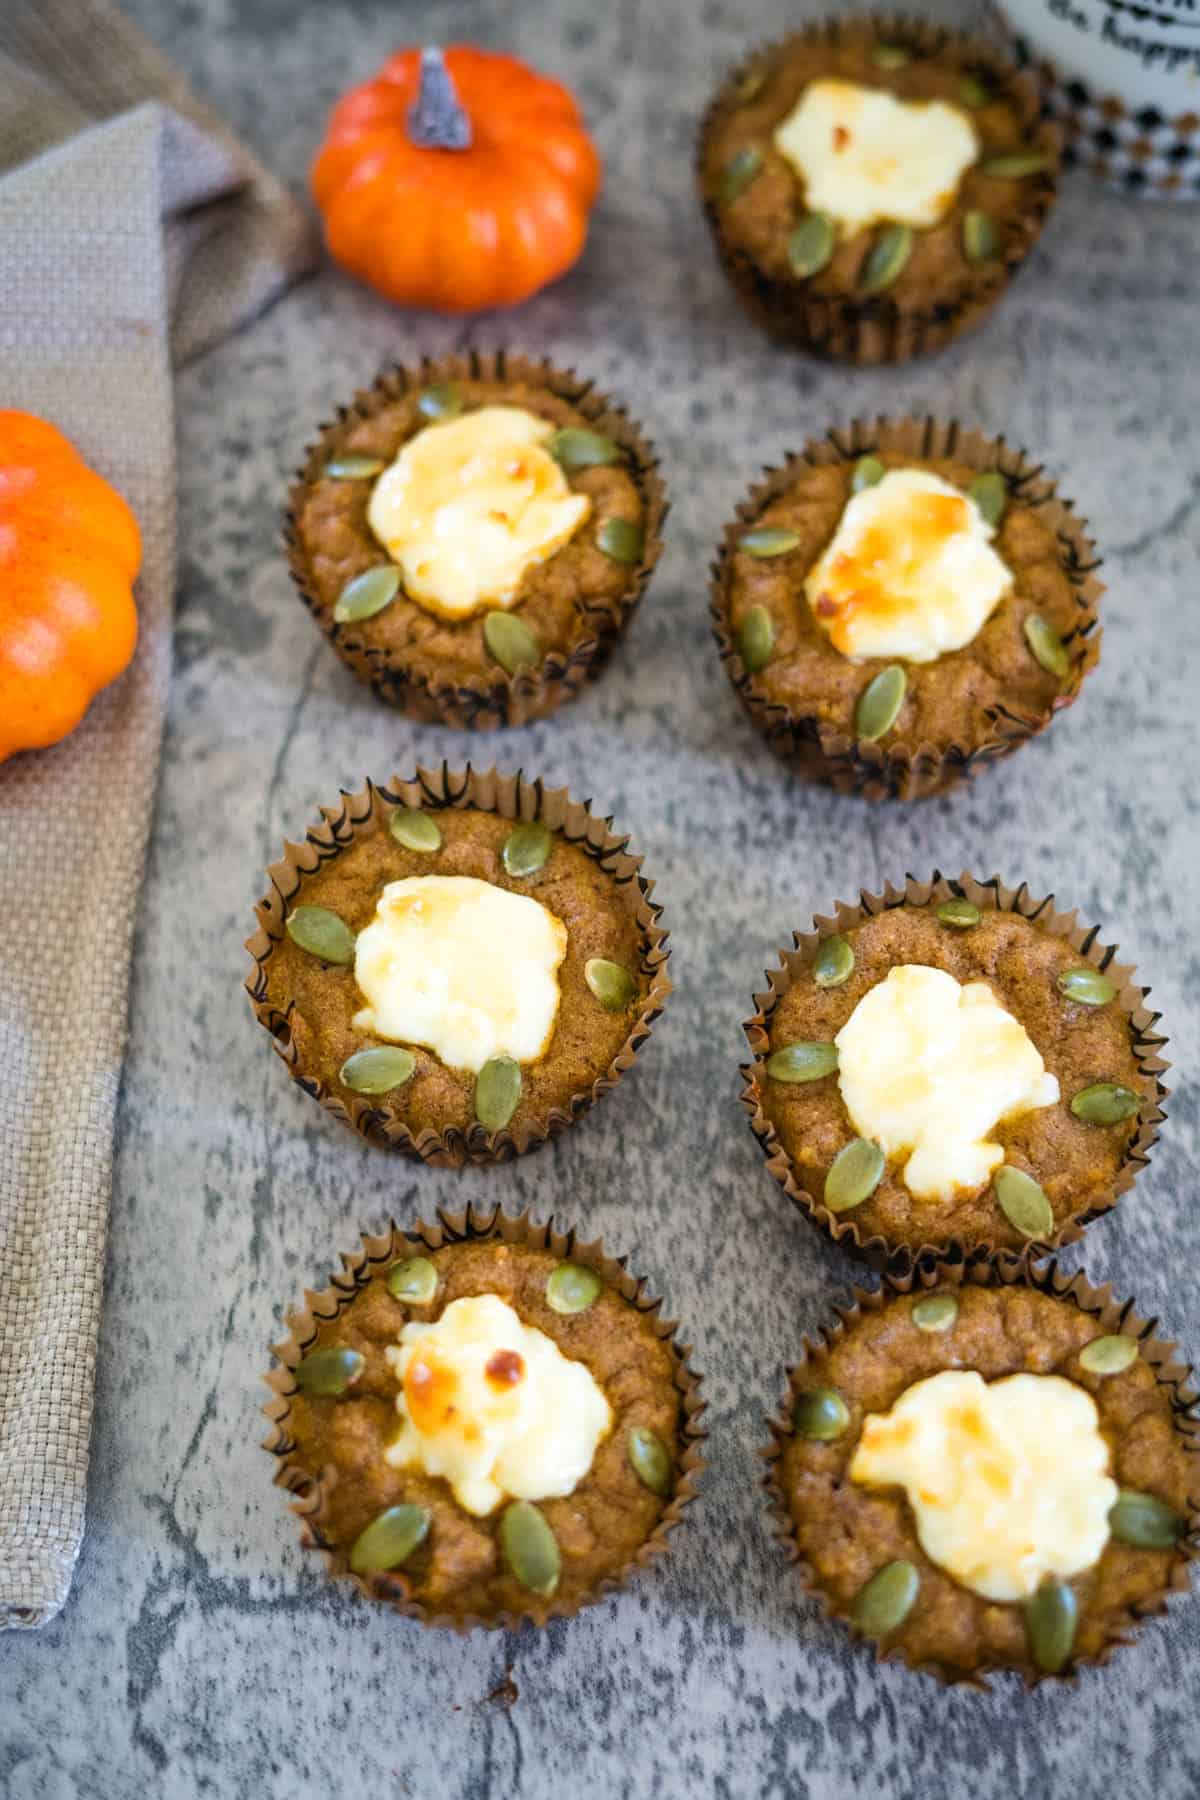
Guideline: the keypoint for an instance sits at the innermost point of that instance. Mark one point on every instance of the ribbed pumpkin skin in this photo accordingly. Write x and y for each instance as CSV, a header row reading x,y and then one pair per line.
x,y
457,230
70,550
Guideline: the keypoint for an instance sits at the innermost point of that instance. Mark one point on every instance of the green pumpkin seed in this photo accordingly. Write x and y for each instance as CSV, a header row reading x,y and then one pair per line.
x,y
750,85
854,1174
879,703
887,258
1088,986
352,468
331,1372
613,986
414,829
935,1312
1047,647
768,541
820,1414
887,1599
980,238
650,1460
510,641
378,1069
390,1539
1105,1103
573,448
1144,1522
1051,1615
802,1062
811,244
367,594
497,1092
414,1280
868,472
890,56
1109,1355
989,491
530,1548
527,848
738,173
621,540
962,914
834,962
571,1288
1023,1202
322,934
1013,166
973,92
441,401
756,640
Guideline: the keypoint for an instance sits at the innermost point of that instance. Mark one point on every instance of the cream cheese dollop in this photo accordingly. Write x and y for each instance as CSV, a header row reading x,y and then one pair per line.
x,y
1008,1481
928,1067
470,504
865,157
494,1407
467,969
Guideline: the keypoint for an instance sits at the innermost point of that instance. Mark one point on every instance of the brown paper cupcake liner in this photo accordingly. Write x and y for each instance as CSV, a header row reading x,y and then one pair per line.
x,y
376,1250
880,328
496,698
1006,1271
901,771
990,896
511,797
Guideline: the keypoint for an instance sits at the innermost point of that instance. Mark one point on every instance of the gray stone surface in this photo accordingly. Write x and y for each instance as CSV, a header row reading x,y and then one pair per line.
x,y
198,1654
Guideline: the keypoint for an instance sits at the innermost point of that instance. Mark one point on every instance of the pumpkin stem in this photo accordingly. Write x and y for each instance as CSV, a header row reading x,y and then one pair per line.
x,y
436,119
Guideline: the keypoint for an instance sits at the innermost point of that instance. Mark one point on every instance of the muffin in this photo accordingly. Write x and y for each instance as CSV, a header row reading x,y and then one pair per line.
x,y
995,1471
485,1421
903,602
873,185
458,965
951,1068
472,535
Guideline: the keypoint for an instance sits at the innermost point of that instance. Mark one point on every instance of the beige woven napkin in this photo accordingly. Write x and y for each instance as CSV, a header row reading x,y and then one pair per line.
x,y
136,241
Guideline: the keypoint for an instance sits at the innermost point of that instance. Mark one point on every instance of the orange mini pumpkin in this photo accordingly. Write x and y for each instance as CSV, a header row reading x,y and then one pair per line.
x,y
69,552
457,182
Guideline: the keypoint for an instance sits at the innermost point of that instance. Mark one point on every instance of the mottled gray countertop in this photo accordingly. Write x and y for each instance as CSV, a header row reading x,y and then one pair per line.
x,y
199,1653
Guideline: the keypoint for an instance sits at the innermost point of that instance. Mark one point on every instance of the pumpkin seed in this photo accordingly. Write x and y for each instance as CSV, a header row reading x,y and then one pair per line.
x,y
1012,166
1105,1103
868,471
527,848
879,703
768,541
650,1460
621,540
510,641
414,829
890,56
352,468
886,258
1088,986
756,640
989,491
441,401
750,85
1109,1355
330,1372
738,173
1051,1614
390,1539
854,1174
833,963
1048,648
802,1062
973,92
887,1599
935,1312
962,914
367,594
414,1280
820,1414
571,1288
574,448
322,934
497,1092
1023,1202
613,986
378,1069
980,238
530,1548
1144,1521
811,244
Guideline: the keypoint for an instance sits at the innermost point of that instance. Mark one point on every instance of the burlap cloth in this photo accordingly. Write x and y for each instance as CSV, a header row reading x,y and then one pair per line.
x,y
145,235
